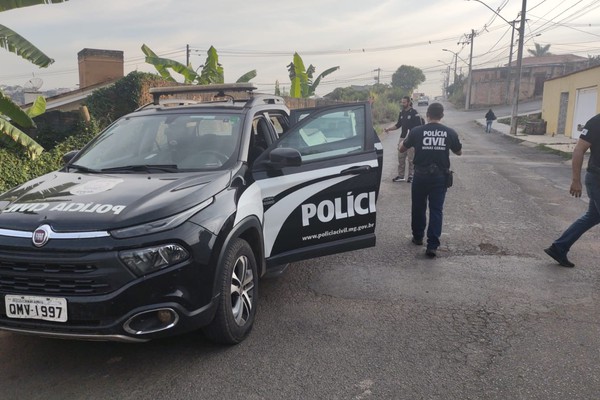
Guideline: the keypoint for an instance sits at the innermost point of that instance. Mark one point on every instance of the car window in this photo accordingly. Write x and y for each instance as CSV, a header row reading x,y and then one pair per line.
x,y
188,141
280,123
332,133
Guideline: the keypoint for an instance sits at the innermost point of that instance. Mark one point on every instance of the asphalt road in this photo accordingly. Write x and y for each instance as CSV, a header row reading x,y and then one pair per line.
x,y
491,318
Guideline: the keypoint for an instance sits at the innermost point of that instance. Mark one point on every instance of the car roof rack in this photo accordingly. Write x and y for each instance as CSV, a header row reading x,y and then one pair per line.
x,y
264,99
222,90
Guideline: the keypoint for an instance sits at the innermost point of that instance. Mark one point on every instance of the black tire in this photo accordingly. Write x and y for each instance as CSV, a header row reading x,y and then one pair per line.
x,y
238,298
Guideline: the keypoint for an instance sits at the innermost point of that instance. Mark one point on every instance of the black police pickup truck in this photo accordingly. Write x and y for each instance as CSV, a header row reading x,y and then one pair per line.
x,y
165,222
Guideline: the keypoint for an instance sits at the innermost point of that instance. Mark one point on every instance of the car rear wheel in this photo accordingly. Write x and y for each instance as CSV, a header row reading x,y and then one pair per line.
x,y
238,295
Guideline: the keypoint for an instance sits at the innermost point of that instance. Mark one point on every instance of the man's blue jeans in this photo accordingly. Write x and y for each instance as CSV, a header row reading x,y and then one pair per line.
x,y
488,126
428,189
586,221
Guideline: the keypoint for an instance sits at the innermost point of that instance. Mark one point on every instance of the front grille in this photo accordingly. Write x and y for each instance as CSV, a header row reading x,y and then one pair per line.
x,y
51,279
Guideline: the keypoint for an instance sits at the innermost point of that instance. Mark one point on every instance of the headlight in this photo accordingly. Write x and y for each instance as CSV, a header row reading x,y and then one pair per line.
x,y
160,225
145,261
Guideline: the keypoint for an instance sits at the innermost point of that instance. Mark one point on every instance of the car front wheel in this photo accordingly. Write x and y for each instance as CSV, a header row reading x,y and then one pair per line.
x,y
238,295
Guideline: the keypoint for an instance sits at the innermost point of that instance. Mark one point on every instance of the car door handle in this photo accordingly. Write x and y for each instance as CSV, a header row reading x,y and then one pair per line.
x,y
361,169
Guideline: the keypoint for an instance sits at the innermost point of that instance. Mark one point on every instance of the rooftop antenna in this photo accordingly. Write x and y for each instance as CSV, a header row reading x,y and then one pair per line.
x,y
33,85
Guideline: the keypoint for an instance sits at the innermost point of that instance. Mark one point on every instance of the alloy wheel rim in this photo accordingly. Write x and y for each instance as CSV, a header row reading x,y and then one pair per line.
x,y
242,291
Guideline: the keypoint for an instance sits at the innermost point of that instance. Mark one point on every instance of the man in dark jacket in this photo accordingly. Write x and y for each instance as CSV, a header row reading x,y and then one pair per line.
x,y
432,143
407,119
589,139
489,118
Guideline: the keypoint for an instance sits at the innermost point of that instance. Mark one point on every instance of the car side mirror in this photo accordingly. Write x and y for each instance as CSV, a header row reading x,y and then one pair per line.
x,y
284,157
69,156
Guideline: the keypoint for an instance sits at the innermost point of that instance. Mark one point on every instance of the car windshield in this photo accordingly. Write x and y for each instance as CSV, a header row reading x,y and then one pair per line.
x,y
164,143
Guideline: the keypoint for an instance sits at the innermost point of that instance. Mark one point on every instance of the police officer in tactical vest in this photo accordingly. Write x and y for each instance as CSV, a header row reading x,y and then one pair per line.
x,y
432,143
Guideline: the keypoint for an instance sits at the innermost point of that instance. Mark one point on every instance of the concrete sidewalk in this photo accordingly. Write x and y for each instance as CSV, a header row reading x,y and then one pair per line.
x,y
560,143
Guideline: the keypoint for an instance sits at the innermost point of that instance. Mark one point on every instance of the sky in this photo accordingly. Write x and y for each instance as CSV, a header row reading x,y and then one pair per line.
x,y
368,40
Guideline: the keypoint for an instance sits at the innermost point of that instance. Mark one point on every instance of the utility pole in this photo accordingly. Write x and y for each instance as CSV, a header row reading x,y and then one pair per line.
x,y
512,40
470,78
455,73
187,55
517,89
455,62
515,109
378,74
447,81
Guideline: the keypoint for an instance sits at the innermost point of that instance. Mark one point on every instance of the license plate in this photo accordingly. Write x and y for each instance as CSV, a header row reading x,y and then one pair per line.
x,y
36,307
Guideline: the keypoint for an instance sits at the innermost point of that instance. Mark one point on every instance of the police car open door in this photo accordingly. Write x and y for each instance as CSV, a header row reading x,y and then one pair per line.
x,y
319,184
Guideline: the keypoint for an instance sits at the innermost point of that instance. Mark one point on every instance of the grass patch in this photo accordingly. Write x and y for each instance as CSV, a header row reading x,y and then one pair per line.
x,y
565,155
522,119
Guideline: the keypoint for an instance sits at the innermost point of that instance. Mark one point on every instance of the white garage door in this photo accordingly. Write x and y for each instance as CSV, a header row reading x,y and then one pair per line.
x,y
585,108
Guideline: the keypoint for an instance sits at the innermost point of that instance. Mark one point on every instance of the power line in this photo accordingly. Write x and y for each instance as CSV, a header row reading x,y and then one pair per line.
x,y
262,53
536,6
539,29
571,26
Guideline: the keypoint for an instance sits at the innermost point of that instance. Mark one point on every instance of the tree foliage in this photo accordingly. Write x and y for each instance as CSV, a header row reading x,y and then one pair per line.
x,y
124,96
540,51
15,43
349,94
212,72
593,60
303,85
407,78
25,169
11,114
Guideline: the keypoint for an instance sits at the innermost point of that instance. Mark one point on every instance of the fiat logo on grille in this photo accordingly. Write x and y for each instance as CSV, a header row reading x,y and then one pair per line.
x,y
41,235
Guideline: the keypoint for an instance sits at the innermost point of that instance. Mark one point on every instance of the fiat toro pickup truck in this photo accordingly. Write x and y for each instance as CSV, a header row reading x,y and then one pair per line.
x,y
166,220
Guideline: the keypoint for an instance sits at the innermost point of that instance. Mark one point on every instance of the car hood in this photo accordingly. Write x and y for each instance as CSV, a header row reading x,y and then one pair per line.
x,y
74,202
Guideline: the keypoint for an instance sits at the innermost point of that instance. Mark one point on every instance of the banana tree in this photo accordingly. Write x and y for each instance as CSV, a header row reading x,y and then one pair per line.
x,y
303,85
212,71
15,43
10,111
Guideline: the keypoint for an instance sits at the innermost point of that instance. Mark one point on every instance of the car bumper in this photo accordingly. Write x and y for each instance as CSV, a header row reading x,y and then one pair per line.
x,y
106,301
147,309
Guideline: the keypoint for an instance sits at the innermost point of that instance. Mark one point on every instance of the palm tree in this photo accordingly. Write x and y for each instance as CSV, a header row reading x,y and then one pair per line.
x,y
10,111
540,50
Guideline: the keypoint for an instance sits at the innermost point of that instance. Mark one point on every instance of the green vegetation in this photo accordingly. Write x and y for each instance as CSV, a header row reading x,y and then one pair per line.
x,y
26,168
11,115
17,44
407,78
385,99
522,119
540,50
303,85
105,105
127,94
565,155
212,72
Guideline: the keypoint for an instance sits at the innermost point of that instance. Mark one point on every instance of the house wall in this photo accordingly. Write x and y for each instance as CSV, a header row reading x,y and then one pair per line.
x,y
489,85
569,84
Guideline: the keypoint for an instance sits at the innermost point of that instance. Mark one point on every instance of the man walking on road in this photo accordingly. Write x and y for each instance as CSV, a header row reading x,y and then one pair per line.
x,y
432,143
589,139
407,120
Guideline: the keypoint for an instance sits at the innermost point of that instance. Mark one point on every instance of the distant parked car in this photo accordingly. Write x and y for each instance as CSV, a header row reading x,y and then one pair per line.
x,y
423,101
